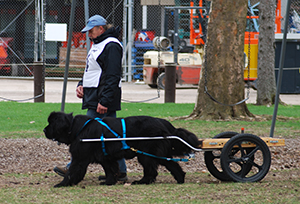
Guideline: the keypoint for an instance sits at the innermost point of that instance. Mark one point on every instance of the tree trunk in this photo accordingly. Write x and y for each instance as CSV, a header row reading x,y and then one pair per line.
x,y
223,68
266,85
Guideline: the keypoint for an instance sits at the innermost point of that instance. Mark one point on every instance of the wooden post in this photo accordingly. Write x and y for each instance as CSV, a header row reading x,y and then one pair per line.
x,y
39,82
170,85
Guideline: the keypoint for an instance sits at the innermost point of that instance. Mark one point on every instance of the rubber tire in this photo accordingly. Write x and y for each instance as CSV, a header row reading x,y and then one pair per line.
x,y
209,158
227,158
161,80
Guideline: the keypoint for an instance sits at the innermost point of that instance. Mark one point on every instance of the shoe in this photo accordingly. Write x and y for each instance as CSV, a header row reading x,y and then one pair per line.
x,y
61,170
121,177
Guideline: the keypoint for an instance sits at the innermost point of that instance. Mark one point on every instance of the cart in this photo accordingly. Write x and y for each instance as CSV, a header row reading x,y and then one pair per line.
x,y
229,156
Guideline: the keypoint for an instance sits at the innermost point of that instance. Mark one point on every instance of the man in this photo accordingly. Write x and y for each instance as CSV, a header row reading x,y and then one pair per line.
x,y
100,87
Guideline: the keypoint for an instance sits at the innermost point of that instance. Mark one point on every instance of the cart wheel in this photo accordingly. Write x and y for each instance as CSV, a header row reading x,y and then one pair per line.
x,y
212,159
242,165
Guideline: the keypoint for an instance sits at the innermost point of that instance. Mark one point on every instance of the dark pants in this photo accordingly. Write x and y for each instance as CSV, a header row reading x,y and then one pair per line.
x,y
92,113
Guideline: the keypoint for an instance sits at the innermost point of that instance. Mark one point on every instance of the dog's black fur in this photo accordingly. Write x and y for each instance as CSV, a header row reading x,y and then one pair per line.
x,y
67,129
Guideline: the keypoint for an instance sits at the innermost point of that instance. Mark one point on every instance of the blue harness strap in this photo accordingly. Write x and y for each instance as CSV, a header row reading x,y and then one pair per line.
x,y
103,145
89,120
124,145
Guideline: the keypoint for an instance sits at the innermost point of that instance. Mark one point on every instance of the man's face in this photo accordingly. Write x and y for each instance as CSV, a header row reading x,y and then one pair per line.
x,y
95,32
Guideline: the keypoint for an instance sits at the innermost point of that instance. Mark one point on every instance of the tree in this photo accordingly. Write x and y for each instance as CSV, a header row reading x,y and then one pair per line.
x,y
266,85
224,62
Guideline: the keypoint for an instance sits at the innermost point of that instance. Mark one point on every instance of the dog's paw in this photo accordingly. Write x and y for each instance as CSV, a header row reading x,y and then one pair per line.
x,y
110,183
180,179
58,185
135,182
62,184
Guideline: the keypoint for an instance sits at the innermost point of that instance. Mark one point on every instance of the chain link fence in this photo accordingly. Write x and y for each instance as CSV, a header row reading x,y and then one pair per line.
x,y
141,21
294,17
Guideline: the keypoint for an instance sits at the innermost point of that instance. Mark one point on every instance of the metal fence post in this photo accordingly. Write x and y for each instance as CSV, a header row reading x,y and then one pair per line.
x,y
280,72
71,25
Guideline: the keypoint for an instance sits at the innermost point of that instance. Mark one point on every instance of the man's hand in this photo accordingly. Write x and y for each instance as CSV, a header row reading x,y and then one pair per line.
x,y
79,91
101,109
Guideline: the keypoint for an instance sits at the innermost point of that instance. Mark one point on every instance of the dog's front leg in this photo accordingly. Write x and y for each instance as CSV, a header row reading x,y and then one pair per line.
x,y
75,174
65,181
111,169
175,170
150,170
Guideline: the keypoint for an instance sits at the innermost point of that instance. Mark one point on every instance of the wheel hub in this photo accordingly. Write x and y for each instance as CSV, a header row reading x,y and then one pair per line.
x,y
245,159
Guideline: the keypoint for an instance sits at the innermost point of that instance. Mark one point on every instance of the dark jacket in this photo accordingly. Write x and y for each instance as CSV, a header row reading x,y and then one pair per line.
x,y
108,92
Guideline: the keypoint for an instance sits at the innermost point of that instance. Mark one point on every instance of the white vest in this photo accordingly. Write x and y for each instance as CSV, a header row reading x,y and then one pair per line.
x,y
93,71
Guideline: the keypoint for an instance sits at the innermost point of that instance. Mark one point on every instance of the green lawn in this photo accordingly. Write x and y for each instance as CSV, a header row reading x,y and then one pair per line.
x,y
23,120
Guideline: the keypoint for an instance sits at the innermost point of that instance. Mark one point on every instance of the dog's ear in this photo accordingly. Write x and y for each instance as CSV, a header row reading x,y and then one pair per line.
x,y
52,113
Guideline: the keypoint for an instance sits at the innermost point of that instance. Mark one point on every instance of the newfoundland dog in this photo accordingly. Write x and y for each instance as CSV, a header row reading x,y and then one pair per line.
x,y
70,130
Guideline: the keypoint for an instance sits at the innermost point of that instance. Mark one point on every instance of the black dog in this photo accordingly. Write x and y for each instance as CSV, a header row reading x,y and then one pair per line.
x,y
70,130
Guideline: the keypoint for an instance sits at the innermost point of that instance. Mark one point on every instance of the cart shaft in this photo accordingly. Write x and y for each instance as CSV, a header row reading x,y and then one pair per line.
x,y
140,138
206,144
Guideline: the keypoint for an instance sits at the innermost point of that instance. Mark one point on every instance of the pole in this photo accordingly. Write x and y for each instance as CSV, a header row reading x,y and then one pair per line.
x,y
36,31
129,39
279,77
176,37
170,85
124,60
166,22
144,19
63,100
86,15
39,53
38,82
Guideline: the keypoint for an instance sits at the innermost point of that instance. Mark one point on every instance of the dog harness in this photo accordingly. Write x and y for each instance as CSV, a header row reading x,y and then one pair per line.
x,y
125,146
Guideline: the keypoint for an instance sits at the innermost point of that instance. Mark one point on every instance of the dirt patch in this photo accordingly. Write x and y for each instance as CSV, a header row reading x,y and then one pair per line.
x,y
31,156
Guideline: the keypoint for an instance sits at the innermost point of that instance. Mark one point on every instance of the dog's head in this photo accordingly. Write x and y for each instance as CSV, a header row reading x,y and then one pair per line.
x,y
59,127
180,148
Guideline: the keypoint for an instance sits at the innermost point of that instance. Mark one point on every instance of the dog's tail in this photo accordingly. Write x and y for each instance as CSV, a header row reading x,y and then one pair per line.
x,y
179,148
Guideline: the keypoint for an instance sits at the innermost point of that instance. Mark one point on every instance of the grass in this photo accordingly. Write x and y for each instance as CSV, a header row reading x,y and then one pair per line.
x,y
24,120
198,189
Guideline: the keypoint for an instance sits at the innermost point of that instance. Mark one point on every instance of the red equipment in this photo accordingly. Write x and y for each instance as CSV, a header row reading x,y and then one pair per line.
x,y
5,55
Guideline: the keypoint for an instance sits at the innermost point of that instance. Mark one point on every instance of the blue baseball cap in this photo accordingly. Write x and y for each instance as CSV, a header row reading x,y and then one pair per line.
x,y
93,21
